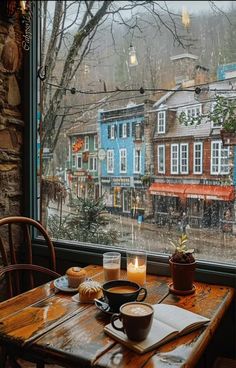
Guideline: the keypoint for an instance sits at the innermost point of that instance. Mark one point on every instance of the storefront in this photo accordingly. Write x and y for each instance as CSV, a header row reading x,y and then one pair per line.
x,y
123,195
205,205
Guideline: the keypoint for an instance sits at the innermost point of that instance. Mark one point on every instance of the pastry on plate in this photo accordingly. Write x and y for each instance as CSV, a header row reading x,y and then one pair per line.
x,y
89,290
75,276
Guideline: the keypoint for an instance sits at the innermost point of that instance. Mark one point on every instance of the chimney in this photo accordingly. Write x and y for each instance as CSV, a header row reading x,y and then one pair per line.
x,y
201,74
184,68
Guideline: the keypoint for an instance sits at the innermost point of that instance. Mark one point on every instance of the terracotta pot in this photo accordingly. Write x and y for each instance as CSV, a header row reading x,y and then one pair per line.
x,y
182,275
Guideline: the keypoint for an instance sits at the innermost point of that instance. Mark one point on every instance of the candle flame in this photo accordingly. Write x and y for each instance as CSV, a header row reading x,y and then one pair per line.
x,y
136,262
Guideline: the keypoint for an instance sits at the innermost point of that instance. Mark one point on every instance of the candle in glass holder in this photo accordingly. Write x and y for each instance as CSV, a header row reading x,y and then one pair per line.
x,y
136,267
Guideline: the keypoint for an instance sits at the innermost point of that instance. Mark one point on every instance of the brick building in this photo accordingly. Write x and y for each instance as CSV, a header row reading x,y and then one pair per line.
x,y
191,165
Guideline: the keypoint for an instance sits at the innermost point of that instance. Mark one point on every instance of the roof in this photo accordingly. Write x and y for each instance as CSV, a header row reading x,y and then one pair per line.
x,y
83,128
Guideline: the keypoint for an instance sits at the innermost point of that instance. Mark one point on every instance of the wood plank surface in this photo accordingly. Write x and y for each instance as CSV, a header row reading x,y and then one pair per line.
x,y
48,324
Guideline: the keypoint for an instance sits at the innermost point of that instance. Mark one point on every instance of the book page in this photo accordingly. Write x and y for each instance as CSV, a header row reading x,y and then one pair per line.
x,y
180,319
159,333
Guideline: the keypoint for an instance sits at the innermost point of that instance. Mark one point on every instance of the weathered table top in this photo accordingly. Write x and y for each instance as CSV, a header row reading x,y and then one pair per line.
x,y
48,324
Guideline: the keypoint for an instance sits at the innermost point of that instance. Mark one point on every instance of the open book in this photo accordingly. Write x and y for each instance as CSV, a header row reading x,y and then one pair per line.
x,y
169,322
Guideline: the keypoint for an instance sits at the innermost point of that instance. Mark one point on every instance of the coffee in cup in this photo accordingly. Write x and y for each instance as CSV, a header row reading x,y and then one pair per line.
x,y
118,292
136,319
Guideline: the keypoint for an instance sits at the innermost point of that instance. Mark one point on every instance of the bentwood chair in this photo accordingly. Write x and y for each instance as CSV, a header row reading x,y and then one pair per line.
x,y
18,262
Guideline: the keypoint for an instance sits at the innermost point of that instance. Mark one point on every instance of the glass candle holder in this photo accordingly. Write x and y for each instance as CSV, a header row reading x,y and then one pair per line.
x,y
136,266
111,266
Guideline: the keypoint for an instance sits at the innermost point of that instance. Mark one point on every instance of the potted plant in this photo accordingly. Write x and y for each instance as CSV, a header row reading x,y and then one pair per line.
x,y
182,266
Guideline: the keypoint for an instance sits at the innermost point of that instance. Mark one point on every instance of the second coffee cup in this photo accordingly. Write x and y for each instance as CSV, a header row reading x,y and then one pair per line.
x,y
118,292
136,319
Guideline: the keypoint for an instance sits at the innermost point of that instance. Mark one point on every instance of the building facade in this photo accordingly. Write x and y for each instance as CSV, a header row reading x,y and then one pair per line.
x,y
124,168
191,164
83,161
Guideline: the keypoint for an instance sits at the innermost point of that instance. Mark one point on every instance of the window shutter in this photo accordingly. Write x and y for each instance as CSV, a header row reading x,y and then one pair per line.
x,y
115,131
133,129
109,132
120,130
128,129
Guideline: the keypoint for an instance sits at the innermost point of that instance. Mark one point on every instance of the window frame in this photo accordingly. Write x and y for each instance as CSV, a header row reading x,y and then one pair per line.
x,y
124,130
181,158
219,158
79,155
139,160
121,151
94,165
110,151
86,143
194,158
174,145
207,271
161,122
159,147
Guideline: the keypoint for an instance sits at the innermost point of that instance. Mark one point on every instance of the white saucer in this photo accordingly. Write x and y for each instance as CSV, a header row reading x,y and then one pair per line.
x,y
62,284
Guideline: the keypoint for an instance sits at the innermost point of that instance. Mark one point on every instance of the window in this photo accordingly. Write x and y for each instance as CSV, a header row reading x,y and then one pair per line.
x,y
161,121
112,131
79,161
86,143
184,158
219,158
124,130
90,112
95,142
197,157
174,159
110,161
161,159
215,124
137,161
93,163
123,161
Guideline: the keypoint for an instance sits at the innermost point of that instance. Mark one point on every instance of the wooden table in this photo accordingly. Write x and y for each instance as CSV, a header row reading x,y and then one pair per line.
x,y
46,323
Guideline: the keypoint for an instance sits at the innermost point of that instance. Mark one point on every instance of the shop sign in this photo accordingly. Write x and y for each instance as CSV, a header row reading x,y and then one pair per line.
x,y
138,181
121,181
80,173
105,180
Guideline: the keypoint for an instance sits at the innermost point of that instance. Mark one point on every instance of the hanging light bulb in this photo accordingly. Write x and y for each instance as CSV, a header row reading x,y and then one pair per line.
x,y
132,56
185,18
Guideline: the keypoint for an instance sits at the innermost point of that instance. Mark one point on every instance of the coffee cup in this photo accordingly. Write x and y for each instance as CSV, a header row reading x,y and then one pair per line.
x,y
118,292
135,320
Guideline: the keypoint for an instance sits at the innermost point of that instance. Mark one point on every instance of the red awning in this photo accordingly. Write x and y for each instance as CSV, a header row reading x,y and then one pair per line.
x,y
172,190
214,192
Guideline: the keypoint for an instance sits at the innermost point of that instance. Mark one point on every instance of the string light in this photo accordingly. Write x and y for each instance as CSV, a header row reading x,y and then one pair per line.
x,y
132,56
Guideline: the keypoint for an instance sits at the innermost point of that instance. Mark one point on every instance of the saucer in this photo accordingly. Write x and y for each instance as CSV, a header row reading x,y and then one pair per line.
x,y
104,307
181,292
62,284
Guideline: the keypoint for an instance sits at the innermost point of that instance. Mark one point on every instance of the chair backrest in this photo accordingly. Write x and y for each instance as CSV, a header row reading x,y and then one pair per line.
x,y
11,230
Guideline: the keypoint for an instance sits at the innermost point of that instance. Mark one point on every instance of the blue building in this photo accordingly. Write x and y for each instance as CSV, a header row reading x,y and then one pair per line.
x,y
226,71
123,168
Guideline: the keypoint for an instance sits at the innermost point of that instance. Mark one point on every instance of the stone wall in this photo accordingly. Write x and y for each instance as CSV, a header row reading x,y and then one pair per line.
x,y
11,119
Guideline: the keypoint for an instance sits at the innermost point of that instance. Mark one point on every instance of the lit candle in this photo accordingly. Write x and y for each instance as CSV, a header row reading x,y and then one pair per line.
x,y
136,272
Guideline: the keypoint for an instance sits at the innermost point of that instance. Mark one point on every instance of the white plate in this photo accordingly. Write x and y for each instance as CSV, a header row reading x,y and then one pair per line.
x,y
76,299
62,284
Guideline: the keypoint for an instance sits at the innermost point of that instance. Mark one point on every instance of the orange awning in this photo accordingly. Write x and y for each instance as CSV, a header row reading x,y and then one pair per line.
x,y
172,190
214,192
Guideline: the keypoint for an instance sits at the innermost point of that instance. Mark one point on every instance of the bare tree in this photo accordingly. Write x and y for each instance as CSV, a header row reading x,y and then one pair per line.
x,y
67,38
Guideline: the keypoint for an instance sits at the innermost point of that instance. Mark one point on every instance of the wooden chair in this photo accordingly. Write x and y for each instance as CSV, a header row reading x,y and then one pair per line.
x,y
14,251
15,261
